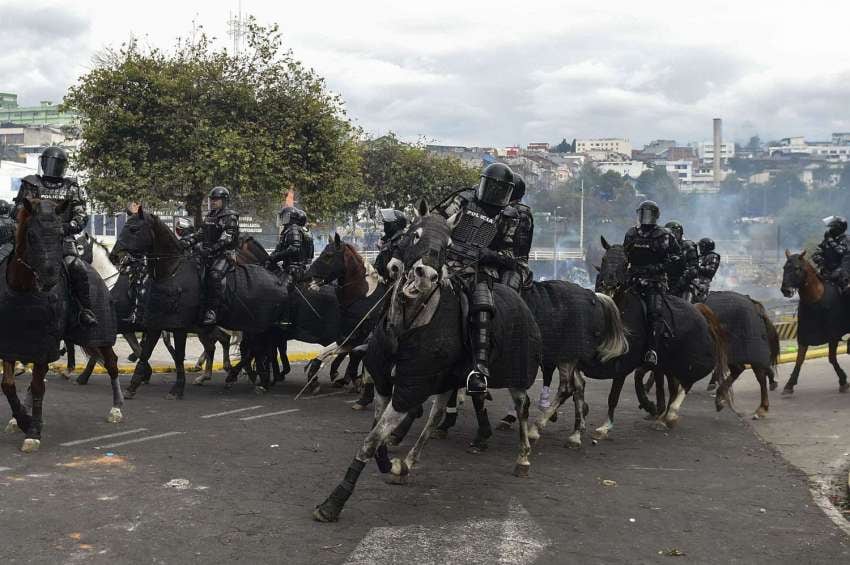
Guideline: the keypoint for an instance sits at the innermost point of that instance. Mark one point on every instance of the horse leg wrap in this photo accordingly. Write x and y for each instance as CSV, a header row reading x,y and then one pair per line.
x,y
382,459
449,420
344,489
18,410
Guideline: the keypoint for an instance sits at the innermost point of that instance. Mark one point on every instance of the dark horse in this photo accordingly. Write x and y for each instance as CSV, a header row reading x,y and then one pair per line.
x,y
417,351
35,301
823,315
694,347
253,299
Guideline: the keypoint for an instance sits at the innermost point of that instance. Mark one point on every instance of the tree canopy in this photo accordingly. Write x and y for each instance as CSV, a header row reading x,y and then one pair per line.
x,y
165,126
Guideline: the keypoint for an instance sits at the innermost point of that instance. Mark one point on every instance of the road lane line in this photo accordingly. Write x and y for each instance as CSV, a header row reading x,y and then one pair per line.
x,y
324,395
107,436
139,440
270,414
229,412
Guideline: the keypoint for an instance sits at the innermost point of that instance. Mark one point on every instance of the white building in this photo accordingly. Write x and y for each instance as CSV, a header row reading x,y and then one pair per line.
x,y
835,151
632,169
11,173
608,144
705,151
682,170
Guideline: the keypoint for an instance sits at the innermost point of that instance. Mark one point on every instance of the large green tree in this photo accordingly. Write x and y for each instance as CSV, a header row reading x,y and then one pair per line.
x,y
398,174
163,127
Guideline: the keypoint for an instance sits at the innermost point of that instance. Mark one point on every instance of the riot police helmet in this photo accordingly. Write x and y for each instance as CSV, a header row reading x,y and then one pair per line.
x,y
519,188
220,193
648,213
394,221
5,208
496,185
705,245
53,162
300,217
183,226
290,215
835,225
676,228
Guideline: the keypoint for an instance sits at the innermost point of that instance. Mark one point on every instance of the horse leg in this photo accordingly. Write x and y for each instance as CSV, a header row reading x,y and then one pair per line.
x,y
724,388
484,432
574,440
795,372
20,419
224,341
110,361
330,509
166,340
660,397
83,378
397,436
176,391
644,402
149,340
613,399
771,378
334,371
833,360
33,431
565,390
522,403
671,416
367,393
400,469
544,401
71,365
450,418
205,358
761,411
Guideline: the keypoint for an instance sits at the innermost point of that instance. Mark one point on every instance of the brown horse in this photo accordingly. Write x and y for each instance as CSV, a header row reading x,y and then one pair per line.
x,y
35,291
823,315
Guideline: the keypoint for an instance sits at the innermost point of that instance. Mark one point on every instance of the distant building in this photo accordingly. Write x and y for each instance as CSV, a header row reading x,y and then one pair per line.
x,y
631,169
705,152
45,114
538,147
658,147
475,157
842,138
608,145
836,150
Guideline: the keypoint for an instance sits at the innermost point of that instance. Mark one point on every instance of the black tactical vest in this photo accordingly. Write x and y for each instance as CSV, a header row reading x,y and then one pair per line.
x,y
475,230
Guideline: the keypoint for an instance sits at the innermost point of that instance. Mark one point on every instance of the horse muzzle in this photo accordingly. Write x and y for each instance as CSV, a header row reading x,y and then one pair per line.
x,y
787,291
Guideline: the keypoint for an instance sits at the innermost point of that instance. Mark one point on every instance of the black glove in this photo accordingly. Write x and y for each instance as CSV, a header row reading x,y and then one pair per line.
x,y
488,257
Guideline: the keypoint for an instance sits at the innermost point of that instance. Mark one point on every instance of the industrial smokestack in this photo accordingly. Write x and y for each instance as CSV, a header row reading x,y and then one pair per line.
x,y
718,144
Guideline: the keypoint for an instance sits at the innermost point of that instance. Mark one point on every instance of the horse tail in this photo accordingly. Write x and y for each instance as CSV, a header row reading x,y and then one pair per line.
x,y
614,342
718,338
772,334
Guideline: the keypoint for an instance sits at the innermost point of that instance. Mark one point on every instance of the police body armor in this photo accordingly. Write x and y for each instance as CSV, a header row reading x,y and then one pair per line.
x,y
648,254
831,254
7,237
522,277
474,230
708,266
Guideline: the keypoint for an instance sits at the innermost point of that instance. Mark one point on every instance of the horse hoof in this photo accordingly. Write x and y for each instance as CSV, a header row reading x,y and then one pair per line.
x,y
195,369
440,434
787,390
129,393
660,426
12,427
773,385
399,472
554,417
476,448
533,433
174,396
503,426
66,375
711,386
325,513
115,415
259,390
573,443
30,445
521,470
358,406
132,358
81,381
199,381
844,388
599,433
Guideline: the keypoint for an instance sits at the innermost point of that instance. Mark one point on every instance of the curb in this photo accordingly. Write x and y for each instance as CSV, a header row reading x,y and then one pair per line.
x,y
217,366
812,353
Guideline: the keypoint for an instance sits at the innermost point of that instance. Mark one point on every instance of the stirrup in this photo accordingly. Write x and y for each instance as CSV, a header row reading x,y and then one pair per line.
x,y
474,374
651,358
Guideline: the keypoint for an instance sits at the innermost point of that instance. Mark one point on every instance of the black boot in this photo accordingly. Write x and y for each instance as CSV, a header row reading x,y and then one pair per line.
x,y
214,291
366,397
651,357
476,381
80,288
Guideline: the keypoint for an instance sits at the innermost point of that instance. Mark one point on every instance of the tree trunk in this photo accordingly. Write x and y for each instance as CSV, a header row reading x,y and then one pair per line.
x,y
195,205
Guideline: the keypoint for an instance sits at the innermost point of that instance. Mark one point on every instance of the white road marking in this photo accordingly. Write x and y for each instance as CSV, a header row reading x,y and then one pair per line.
x,y
2,469
324,395
513,540
139,440
229,412
266,415
636,468
107,436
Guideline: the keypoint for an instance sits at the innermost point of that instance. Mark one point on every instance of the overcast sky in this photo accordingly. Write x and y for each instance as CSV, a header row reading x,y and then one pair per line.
x,y
501,73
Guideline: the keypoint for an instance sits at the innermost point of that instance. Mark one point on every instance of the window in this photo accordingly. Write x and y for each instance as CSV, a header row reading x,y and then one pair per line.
x,y
109,225
97,224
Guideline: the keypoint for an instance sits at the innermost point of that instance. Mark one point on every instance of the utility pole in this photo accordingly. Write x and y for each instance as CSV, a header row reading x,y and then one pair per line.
x,y
581,221
555,245
236,28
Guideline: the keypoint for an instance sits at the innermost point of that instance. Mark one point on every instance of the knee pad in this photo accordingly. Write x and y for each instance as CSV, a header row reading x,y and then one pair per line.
x,y
482,299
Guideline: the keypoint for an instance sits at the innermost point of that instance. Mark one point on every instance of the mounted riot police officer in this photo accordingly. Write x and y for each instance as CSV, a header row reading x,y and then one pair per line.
x,y
52,184
682,269
709,262
521,276
483,229
7,230
649,248
395,222
218,237
294,251
185,231
833,254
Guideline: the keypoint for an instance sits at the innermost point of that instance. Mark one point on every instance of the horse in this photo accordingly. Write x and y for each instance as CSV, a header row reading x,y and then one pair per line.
x,y
34,299
254,298
359,290
823,315
695,347
417,351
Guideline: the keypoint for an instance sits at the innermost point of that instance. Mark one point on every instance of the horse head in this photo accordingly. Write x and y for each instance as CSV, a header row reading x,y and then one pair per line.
x,y
335,260
612,271
795,273
39,242
424,252
137,236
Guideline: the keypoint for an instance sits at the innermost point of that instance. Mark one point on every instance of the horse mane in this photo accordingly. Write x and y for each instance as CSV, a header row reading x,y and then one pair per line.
x,y
18,277
355,286
164,234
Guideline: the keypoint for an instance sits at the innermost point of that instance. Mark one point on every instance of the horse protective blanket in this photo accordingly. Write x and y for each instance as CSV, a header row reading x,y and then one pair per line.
x,y
825,320
746,334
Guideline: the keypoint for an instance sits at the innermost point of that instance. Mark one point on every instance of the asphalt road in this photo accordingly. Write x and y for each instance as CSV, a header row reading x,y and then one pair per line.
x,y
220,477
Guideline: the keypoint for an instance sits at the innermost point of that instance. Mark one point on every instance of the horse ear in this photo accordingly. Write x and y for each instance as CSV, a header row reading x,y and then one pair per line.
x,y
337,241
423,208
605,245
803,253
597,267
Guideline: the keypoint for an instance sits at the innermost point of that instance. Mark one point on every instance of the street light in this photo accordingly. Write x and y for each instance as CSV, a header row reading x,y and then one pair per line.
x,y
555,244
